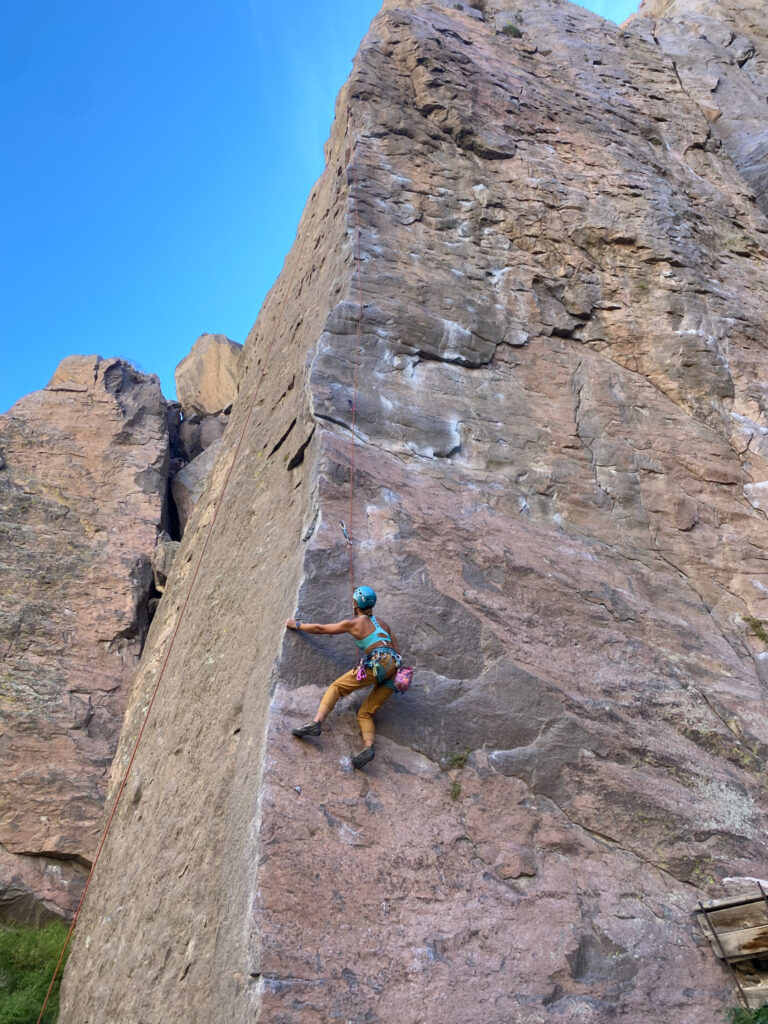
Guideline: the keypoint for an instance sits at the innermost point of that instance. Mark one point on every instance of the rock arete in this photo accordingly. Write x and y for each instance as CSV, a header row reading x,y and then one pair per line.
x,y
560,493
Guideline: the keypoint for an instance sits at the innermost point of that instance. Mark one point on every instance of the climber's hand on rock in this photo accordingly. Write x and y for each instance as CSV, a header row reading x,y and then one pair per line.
x,y
290,623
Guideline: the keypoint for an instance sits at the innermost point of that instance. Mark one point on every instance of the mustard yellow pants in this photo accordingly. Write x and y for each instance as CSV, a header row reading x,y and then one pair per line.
x,y
347,684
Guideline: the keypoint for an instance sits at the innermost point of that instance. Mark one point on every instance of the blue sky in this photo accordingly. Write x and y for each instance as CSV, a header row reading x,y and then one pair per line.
x,y
157,157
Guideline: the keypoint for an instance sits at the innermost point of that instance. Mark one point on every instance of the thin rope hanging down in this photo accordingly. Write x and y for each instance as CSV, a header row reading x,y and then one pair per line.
x,y
348,527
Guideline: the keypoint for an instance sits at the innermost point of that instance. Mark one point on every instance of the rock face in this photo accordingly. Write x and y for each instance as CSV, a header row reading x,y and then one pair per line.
x,y
720,52
82,489
560,467
206,384
206,379
188,483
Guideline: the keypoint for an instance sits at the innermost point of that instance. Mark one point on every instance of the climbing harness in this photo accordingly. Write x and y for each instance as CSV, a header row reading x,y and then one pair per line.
x,y
374,661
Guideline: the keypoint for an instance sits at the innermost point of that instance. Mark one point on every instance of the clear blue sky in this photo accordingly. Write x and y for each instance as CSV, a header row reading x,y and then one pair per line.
x,y
157,155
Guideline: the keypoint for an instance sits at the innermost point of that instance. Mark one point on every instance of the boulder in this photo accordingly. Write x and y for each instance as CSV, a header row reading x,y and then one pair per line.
x,y
207,378
212,429
161,561
200,432
187,485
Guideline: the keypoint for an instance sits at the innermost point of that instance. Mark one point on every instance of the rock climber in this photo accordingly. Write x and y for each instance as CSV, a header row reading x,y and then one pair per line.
x,y
379,662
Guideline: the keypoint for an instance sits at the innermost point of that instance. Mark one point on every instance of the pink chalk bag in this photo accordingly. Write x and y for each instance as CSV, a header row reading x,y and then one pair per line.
x,y
403,680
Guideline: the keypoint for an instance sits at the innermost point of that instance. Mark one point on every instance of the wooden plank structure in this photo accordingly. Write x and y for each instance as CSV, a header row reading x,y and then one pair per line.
x,y
737,928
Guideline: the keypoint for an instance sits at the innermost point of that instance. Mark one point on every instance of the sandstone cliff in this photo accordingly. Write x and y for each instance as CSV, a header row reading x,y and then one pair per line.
x,y
560,492
83,479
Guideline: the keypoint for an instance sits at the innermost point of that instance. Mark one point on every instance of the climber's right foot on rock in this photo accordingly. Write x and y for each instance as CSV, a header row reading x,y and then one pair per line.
x,y
365,756
309,729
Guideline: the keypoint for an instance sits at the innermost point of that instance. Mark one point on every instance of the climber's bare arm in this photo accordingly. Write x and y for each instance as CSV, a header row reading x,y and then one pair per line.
x,y
327,629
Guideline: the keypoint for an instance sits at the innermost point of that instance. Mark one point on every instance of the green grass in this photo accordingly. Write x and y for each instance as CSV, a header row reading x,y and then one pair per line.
x,y
512,30
458,758
740,1016
455,789
758,628
28,957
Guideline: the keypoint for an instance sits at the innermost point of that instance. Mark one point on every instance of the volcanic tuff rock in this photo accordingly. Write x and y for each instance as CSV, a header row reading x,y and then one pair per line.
x,y
82,490
561,463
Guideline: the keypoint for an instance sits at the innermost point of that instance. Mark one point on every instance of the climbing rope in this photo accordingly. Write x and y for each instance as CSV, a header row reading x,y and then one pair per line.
x,y
353,439
179,620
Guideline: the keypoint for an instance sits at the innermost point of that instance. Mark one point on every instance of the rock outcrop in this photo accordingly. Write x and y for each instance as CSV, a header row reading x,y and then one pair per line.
x,y
83,480
720,53
188,483
560,467
206,384
207,378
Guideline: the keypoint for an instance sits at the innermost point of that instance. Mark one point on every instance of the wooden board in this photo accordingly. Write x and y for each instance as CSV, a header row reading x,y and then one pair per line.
x,y
749,915
756,995
732,901
741,943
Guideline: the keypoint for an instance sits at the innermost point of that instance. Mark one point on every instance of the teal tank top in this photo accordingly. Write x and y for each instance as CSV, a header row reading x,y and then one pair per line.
x,y
377,636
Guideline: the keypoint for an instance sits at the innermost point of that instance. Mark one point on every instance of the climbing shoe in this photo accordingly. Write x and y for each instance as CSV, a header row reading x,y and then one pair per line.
x,y
365,756
310,729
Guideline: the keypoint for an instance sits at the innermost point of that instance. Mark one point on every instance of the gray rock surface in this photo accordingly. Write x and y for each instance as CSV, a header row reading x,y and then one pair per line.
x,y
561,423
720,53
199,432
161,560
188,484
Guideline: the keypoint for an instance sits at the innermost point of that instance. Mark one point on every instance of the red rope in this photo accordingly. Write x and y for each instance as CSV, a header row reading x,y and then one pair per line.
x,y
178,626
357,365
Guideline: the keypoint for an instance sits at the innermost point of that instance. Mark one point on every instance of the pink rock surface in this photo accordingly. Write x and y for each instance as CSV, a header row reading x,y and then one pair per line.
x,y
720,52
560,425
81,499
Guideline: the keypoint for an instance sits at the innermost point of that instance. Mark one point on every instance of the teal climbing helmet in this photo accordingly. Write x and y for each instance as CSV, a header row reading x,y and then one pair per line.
x,y
364,597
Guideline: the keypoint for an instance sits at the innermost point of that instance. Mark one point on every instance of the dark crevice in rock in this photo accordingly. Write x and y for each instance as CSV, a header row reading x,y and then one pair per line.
x,y
153,600
333,419
283,439
457,360
177,459
143,584
64,858
171,523
298,458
